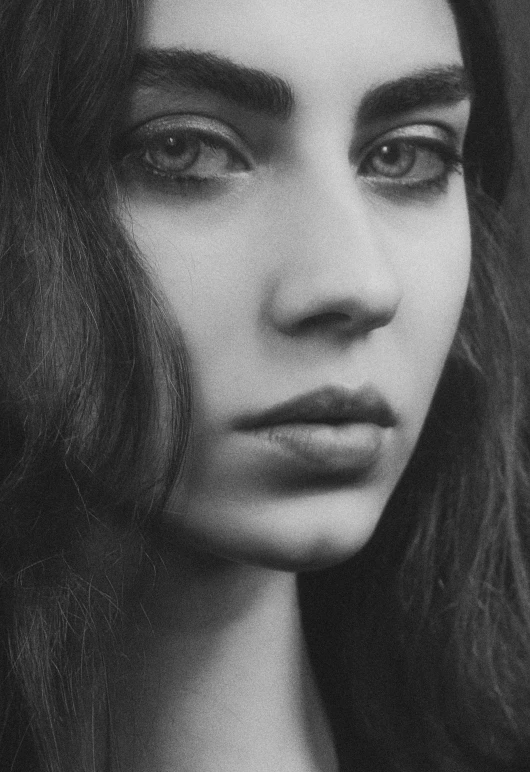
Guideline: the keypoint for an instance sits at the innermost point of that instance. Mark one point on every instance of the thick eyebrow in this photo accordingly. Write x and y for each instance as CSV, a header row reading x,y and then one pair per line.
x,y
252,89
259,91
428,87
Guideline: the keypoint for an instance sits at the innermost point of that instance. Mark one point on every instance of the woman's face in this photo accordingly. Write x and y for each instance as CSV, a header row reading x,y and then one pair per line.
x,y
291,174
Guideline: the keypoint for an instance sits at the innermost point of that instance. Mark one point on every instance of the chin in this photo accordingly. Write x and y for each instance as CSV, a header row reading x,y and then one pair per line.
x,y
304,533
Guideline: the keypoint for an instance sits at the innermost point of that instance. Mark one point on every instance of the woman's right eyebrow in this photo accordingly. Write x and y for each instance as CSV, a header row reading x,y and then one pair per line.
x,y
259,91
249,88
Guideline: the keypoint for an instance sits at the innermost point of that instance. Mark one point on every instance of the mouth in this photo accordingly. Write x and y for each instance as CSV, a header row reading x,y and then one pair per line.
x,y
331,431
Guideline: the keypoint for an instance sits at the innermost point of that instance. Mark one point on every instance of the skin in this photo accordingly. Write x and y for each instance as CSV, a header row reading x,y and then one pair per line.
x,y
301,236
295,271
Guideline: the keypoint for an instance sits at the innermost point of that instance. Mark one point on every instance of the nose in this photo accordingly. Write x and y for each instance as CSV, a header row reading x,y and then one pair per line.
x,y
335,276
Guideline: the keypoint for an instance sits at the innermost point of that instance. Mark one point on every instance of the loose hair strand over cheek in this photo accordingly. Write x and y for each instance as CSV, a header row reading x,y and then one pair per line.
x,y
93,381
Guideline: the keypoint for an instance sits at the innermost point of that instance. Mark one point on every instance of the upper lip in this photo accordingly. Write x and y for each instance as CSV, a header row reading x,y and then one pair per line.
x,y
330,405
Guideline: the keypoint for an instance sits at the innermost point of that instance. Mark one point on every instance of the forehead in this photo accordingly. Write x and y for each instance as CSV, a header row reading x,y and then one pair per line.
x,y
311,42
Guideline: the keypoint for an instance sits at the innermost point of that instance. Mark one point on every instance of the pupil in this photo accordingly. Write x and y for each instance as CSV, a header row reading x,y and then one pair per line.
x,y
177,146
394,159
391,154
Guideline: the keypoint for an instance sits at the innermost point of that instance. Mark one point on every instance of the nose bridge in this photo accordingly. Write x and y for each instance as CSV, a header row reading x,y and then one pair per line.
x,y
334,262
327,219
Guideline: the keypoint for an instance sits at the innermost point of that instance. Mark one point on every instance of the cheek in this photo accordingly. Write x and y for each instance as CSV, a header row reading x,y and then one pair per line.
x,y
214,279
435,267
437,277
214,271
203,267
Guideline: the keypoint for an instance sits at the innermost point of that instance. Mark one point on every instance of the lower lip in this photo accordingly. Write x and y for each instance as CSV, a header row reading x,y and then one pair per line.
x,y
351,448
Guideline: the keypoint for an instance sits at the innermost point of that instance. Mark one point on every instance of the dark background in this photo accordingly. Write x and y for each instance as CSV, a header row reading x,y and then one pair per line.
x,y
515,22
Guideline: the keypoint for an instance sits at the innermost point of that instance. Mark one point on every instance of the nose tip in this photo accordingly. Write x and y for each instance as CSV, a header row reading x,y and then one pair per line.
x,y
336,269
338,315
344,287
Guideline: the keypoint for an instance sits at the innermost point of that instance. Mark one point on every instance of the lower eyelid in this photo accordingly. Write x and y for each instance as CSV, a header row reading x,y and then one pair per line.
x,y
436,140
137,157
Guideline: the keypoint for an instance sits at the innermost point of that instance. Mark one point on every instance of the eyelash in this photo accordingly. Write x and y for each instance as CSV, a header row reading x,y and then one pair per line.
x,y
132,154
420,140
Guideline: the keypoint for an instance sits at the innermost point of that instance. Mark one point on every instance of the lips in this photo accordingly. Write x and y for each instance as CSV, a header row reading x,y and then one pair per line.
x,y
331,431
332,406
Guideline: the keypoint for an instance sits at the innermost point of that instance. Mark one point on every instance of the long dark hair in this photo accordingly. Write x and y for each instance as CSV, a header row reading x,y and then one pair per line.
x,y
83,335
429,656
433,616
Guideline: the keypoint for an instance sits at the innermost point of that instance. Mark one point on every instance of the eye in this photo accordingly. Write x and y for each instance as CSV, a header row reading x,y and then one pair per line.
x,y
188,155
184,149
173,154
414,157
397,159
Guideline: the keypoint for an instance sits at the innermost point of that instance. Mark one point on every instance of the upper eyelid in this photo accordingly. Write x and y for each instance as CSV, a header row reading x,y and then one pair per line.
x,y
207,125
431,130
452,119
182,118
195,122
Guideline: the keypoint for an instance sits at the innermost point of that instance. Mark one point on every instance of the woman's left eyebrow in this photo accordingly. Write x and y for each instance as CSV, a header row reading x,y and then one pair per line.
x,y
433,86
263,92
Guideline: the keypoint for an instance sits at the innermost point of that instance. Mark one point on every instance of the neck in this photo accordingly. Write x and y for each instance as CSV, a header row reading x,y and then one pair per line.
x,y
217,677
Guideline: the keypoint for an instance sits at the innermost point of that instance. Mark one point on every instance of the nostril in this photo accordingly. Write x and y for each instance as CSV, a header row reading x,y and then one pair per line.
x,y
325,320
339,324
332,304
336,324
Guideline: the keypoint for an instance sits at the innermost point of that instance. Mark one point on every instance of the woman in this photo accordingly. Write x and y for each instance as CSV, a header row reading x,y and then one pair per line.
x,y
237,286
